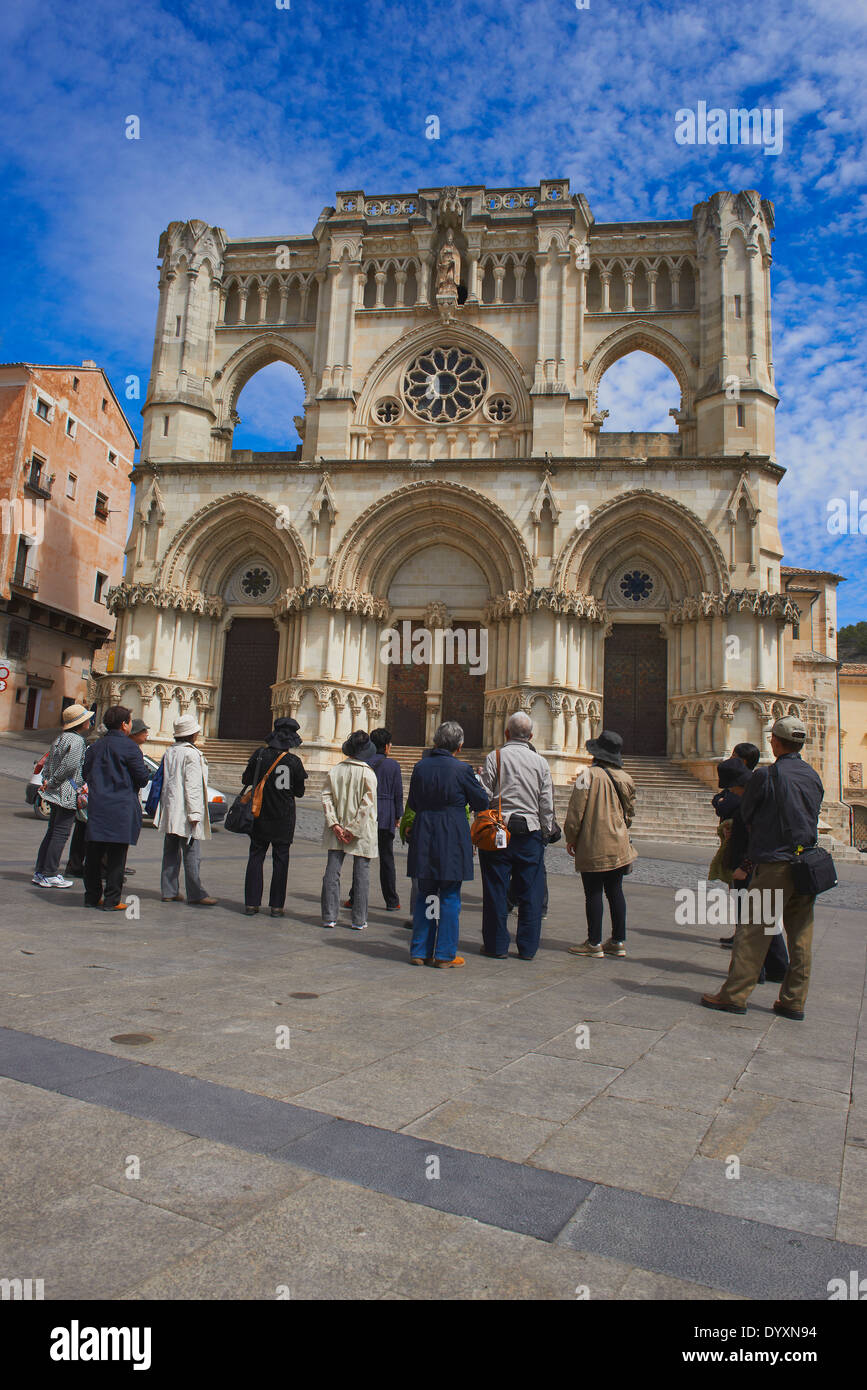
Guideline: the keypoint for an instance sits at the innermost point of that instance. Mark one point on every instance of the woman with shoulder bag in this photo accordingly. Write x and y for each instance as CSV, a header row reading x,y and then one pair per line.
x,y
278,778
596,834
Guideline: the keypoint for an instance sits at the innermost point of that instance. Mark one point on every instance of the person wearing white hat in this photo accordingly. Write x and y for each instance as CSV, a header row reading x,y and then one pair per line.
x,y
61,782
183,815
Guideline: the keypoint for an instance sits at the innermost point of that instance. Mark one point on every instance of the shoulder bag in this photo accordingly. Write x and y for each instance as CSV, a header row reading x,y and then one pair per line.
x,y
813,869
248,805
488,831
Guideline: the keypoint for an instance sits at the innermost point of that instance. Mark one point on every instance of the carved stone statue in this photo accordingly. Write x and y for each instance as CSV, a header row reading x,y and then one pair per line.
x,y
448,268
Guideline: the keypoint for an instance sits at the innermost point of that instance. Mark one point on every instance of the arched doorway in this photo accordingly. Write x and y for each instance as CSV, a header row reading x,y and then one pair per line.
x,y
249,671
436,669
636,686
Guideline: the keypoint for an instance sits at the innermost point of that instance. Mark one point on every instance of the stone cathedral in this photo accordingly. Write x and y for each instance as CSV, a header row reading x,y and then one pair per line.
x,y
454,475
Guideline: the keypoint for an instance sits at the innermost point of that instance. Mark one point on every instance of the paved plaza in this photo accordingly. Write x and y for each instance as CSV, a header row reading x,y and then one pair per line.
x,y
305,1115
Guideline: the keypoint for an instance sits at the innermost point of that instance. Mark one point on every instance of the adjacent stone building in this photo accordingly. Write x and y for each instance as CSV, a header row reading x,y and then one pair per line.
x,y
66,450
454,476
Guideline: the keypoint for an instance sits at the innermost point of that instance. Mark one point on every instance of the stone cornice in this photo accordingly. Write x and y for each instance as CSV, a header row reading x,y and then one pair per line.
x,y
759,602
285,463
337,599
187,600
552,600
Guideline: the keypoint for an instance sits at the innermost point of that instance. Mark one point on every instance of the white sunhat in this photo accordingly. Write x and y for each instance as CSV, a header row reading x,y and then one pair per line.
x,y
186,725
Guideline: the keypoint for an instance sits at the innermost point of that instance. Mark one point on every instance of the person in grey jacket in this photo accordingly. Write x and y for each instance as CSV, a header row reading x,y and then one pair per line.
x,y
527,794
61,782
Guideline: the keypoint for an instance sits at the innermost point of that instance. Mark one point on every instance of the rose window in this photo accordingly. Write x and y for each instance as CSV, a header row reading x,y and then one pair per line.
x,y
636,585
445,385
255,582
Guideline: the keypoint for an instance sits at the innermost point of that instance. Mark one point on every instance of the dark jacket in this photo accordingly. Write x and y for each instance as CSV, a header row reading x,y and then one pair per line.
x,y
802,791
277,821
114,771
389,789
440,788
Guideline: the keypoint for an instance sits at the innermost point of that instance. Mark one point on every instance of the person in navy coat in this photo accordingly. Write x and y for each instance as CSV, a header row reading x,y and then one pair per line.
x,y
114,771
440,848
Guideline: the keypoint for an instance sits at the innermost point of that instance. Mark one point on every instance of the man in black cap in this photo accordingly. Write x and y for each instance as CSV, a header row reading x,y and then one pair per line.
x,y
780,808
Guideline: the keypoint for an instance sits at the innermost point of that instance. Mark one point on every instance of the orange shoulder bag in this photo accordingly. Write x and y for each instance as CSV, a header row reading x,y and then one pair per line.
x,y
489,825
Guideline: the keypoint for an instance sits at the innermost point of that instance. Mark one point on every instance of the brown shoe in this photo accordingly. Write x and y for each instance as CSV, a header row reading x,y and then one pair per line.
x,y
421,960
204,902
175,899
796,1015
450,964
713,1001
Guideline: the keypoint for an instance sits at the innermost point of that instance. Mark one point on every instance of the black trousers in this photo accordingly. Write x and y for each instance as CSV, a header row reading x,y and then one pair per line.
x,y
387,880
115,863
254,878
611,884
77,849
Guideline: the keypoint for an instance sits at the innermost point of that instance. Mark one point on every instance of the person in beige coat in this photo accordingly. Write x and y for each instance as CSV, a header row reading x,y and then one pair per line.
x,y
349,798
596,834
183,815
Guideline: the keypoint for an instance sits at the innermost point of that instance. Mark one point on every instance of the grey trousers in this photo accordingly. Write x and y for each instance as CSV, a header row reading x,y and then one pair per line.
x,y
191,850
331,887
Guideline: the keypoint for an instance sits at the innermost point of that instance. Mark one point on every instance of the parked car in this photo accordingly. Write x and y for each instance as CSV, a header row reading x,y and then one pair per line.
x,y
217,804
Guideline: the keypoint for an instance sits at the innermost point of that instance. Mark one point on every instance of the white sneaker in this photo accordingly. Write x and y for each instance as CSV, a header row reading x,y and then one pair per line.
x,y
329,925
39,880
58,881
354,927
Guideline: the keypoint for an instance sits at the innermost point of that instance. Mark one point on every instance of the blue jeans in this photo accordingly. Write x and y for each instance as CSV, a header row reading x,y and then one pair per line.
x,y
427,941
522,863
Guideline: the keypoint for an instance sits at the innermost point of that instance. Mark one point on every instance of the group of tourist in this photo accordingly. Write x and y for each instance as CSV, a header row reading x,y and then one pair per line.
x,y
764,823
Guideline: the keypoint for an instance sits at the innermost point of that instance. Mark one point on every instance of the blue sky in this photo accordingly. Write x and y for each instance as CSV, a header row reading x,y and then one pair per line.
x,y
252,117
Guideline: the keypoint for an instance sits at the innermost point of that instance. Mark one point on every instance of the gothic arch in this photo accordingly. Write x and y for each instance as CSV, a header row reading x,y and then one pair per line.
x,y
204,551
428,336
643,521
640,335
249,359
395,527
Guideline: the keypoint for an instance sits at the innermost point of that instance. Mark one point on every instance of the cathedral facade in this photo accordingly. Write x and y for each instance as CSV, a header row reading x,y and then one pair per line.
x,y
457,535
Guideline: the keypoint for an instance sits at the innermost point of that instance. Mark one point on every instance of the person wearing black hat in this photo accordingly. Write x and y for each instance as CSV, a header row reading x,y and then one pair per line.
x,y
596,834
349,798
284,777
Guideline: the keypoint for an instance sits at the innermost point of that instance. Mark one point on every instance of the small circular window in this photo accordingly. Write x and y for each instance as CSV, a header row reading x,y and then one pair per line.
x,y
636,585
500,409
388,410
255,582
445,384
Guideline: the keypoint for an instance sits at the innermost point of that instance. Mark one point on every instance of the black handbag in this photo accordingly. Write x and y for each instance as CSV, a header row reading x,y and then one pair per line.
x,y
813,870
239,817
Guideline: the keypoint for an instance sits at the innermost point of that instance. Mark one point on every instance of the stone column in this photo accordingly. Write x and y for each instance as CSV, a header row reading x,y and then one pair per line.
x,y
605,277
629,281
652,277
499,277
380,278
752,308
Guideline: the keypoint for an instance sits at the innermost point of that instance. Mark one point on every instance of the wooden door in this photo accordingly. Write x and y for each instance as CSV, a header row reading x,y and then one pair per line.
x,y
406,698
635,695
464,693
249,671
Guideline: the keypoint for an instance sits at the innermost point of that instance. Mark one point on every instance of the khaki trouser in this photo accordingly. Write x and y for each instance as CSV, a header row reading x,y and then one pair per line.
x,y
751,942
